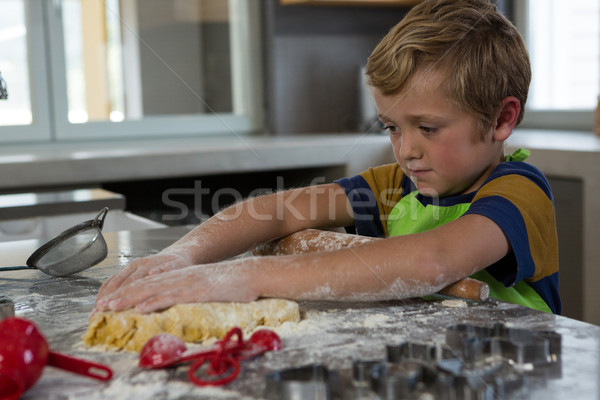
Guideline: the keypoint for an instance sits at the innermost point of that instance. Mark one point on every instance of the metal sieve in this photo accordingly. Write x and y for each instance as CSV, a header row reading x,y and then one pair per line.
x,y
74,250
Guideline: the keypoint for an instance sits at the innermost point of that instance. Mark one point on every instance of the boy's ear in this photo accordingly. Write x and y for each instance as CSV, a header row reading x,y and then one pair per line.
x,y
507,119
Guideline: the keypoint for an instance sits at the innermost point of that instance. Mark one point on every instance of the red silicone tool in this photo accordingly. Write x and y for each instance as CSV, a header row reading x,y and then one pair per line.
x,y
165,350
24,353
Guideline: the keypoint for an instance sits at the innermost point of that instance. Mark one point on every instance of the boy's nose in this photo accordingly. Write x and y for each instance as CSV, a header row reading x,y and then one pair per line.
x,y
409,148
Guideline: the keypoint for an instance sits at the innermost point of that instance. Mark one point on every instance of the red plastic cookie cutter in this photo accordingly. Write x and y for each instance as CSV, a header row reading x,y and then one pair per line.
x,y
166,350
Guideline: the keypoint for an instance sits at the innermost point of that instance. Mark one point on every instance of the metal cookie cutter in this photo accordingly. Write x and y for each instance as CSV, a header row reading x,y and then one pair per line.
x,y
307,382
7,308
475,363
398,381
478,363
424,352
523,348
497,361
456,380
438,371
408,371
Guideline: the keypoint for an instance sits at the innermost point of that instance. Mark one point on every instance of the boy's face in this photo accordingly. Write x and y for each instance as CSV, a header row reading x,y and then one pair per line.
x,y
437,145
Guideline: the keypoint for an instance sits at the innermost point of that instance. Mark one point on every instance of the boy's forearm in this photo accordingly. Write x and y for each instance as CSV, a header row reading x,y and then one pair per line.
x,y
349,274
231,232
398,267
315,240
242,226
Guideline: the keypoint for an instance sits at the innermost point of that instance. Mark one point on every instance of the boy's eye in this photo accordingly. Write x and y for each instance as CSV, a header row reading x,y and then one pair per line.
x,y
428,130
390,128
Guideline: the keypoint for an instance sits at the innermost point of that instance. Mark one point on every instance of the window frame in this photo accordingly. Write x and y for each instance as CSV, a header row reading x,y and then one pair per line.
x,y
576,119
39,129
48,86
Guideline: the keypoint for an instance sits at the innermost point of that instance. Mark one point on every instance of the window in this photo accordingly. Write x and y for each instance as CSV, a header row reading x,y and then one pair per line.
x,y
12,40
93,69
563,38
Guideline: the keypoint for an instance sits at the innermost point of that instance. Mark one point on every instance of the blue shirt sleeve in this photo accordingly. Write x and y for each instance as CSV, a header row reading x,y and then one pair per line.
x,y
519,265
367,221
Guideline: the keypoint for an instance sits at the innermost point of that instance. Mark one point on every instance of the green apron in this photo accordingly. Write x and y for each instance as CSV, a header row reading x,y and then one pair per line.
x,y
411,216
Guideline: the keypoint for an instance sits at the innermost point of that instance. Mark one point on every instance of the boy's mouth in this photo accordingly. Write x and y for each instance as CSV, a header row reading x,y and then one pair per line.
x,y
417,173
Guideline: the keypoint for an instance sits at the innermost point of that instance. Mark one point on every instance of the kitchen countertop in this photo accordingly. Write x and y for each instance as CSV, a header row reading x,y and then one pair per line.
x,y
332,334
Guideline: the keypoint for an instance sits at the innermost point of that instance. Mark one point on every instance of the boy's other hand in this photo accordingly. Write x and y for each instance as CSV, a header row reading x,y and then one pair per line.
x,y
136,270
197,283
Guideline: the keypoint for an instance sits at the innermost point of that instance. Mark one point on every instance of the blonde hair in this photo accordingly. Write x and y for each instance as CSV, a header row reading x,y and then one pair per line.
x,y
479,51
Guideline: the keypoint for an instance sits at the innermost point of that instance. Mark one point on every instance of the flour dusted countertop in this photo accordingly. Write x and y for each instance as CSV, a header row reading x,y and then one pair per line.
x,y
330,334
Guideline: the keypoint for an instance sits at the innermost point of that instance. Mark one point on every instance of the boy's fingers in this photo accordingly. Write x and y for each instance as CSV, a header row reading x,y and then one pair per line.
x,y
104,291
135,283
131,294
111,285
160,301
161,268
133,271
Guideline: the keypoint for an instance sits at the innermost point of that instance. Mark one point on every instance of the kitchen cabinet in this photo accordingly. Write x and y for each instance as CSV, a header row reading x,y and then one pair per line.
x,y
365,3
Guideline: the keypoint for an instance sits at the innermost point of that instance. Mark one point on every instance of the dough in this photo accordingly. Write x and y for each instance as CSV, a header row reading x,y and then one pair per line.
x,y
129,330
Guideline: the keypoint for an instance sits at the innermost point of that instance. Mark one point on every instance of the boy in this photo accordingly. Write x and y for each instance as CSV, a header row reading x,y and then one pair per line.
x,y
450,82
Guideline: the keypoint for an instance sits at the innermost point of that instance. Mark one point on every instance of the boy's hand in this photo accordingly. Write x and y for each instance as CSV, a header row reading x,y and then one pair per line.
x,y
198,283
136,270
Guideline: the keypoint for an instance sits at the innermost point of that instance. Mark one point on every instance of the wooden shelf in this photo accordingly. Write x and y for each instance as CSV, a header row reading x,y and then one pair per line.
x,y
364,3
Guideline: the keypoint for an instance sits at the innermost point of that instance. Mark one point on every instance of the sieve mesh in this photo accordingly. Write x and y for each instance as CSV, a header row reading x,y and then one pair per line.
x,y
71,247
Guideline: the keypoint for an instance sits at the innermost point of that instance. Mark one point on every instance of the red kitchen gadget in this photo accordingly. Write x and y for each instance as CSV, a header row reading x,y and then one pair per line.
x,y
24,353
165,350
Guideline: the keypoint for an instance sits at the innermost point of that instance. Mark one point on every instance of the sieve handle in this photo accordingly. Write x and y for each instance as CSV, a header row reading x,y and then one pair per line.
x,y
15,268
99,220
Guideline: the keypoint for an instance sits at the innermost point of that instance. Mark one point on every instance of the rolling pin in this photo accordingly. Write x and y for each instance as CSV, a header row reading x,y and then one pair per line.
x,y
313,240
